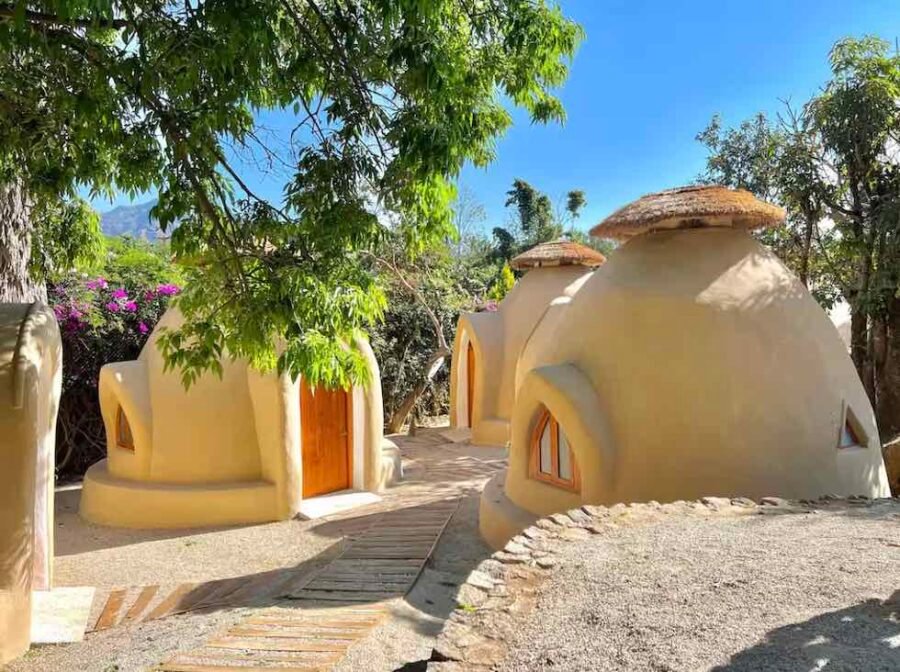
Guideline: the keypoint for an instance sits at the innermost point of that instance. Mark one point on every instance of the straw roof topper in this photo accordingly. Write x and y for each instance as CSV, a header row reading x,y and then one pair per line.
x,y
701,206
559,252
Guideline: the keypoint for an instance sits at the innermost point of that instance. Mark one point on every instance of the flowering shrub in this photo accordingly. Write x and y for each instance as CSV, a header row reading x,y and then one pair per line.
x,y
100,322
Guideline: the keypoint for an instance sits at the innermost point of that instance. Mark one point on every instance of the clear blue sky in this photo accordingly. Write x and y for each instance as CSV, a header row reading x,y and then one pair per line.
x,y
649,75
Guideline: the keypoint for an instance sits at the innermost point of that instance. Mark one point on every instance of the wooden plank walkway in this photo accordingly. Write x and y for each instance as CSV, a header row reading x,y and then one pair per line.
x,y
333,608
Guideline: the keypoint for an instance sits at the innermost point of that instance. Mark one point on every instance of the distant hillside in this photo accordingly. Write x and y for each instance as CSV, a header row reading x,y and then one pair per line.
x,y
130,220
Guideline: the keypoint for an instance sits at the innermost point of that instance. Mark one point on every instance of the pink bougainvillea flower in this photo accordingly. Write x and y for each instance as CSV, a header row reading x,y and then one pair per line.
x,y
97,283
112,306
130,306
168,289
149,295
120,293
491,306
143,328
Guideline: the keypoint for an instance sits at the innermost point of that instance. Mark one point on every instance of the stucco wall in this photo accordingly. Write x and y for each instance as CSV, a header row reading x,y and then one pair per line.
x,y
498,338
222,451
710,370
30,382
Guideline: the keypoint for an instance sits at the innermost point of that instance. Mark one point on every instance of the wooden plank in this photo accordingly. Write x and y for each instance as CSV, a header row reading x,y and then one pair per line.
x,y
110,612
406,577
322,625
197,596
386,554
281,645
256,657
358,586
170,602
344,596
144,599
374,563
302,633
200,667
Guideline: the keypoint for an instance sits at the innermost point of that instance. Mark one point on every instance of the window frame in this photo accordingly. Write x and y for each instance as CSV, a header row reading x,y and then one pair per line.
x,y
120,419
534,462
857,433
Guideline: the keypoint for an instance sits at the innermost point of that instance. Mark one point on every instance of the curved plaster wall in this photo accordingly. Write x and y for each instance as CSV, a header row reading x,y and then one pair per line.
x,y
30,385
222,452
693,363
497,338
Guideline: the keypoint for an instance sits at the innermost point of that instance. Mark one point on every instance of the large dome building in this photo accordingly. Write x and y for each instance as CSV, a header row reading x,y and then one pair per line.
x,y
487,344
693,363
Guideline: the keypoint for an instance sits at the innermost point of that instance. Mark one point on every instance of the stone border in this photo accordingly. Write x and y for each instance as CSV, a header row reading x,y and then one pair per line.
x,y
506,584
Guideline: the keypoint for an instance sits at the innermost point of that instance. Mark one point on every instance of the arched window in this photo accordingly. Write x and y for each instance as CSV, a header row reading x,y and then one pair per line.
x,y
124,438
552,460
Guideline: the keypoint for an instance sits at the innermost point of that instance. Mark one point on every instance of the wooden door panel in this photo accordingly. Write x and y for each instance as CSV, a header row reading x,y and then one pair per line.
x,y
325,440
470,381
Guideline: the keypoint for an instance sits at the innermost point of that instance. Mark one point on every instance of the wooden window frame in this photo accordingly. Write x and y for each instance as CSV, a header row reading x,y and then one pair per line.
x,y
120,417
572,485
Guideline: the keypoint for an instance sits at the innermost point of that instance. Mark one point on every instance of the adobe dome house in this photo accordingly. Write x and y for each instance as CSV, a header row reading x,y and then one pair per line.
x,y
487,344
248,448
693,363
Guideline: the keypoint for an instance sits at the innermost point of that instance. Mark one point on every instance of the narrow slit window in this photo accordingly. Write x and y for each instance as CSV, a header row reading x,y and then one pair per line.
x,y
124,438
552,460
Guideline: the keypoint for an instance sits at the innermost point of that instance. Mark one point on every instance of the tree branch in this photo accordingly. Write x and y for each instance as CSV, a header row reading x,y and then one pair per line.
x,y
9,12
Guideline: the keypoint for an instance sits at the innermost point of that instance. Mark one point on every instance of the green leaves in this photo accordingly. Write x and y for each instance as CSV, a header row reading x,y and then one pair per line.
x,y
390,99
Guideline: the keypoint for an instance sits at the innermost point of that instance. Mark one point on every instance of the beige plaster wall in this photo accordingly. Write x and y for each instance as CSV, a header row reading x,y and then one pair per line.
x,y
224,450
498,338
694,363
30,382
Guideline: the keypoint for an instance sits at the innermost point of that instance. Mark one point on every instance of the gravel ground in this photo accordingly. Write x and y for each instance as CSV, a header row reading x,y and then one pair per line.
x,y
798,592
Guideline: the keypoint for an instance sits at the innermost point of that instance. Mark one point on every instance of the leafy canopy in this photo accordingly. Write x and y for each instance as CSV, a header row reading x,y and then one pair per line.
x,y
390,99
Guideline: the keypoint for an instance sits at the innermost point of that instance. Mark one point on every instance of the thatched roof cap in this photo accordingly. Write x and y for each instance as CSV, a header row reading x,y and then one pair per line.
x,y
557,253
689,207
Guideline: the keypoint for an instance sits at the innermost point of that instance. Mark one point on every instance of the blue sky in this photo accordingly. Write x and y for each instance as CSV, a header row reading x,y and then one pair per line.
x,y
649,75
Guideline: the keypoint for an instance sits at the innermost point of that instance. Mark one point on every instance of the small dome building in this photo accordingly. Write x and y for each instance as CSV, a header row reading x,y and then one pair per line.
x,y
487,344
693,363
246,448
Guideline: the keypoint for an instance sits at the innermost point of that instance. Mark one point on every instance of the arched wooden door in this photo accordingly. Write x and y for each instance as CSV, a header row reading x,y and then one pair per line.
x,y
325,440
470,382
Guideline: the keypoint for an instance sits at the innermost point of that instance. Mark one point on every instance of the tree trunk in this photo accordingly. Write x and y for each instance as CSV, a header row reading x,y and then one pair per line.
x,y
16,285
807,247
887,371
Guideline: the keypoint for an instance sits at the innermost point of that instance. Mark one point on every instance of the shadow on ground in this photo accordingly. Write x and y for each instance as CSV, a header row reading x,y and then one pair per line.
x,y
865,636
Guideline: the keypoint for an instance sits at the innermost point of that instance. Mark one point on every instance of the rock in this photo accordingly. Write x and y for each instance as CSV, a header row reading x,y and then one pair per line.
x,y
480,580
595,511
547,563
580,517
533,533
562,520
510,558
516,548
774,501
547,525
575,533
470,596
743,501
716,503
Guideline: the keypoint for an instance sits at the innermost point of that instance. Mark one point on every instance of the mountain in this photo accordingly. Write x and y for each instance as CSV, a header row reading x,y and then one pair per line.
x,y
130,220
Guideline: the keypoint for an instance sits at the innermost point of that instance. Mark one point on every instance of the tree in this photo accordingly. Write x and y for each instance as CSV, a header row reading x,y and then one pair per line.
x,y
391,98
834,165
535,221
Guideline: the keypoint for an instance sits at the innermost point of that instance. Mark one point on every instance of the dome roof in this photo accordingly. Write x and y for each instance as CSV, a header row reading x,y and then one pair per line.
x,y
560,252
696,206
